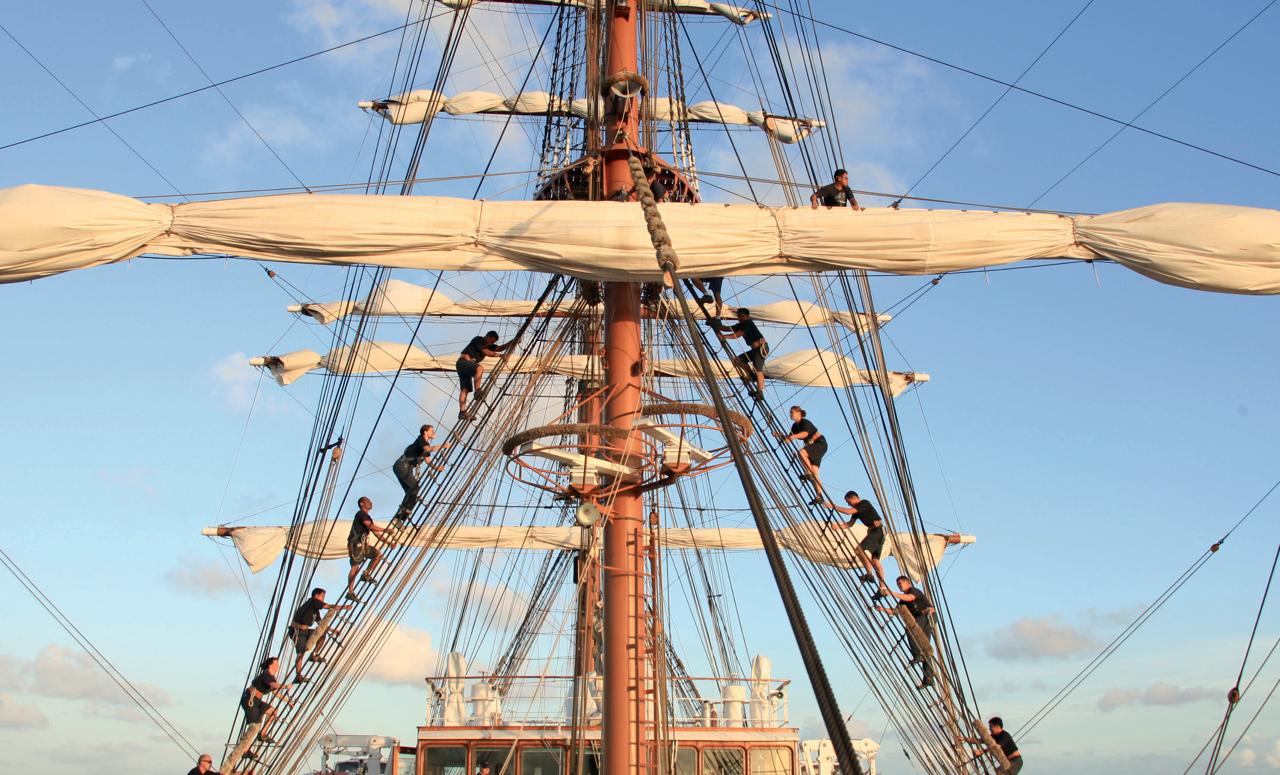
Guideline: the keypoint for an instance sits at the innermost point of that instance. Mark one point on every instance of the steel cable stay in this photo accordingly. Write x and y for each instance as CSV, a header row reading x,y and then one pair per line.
x,y
1233,696
135,695
1151,609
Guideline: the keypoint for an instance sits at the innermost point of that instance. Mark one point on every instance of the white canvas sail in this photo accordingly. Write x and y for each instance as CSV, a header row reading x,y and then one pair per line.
x,y
397,298
803,368
259,546
46,230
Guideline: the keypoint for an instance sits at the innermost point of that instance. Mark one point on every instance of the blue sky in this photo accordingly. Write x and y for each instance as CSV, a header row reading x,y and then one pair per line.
x,y
1096,431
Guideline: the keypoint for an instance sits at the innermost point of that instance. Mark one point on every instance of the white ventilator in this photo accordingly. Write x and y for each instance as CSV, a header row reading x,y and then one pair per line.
x,y
815,540
45,230
455,707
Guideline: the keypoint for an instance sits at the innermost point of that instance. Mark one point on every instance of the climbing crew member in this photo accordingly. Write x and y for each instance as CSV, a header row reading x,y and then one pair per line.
x,y
708,289
814,449
360,548
254,699
921,610
303,624
204,766
655,185
469,369
837,194
863,511
752,361
409,464
1005,741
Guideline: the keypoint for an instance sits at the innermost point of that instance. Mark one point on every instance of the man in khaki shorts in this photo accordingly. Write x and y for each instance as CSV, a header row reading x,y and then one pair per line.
x,y
360,548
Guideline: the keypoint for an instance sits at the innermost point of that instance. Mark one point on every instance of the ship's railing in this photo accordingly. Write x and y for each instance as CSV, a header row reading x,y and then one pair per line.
x,y
483,701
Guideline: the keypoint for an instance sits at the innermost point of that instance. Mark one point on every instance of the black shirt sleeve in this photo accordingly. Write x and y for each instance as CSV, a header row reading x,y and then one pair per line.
x,y
417,450
865,513
475,348
1005,740
749,330
805,426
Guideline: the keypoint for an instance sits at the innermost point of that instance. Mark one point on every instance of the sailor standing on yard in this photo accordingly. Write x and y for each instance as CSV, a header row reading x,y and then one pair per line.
x,y
752,361
917,603
254,699
861,510
814,449
469,369
360,548
408,466
303,625
837,194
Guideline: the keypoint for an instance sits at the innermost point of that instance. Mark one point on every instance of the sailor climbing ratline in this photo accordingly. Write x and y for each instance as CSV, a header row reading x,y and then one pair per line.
x,y
1004,740
836,194
303,626
708,289
408,467
470,369
253,701
360,548
917,604
811,454
751,362
862,510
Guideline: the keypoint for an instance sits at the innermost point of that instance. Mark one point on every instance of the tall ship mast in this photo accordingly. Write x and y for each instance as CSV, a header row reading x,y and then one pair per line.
x,y
616,408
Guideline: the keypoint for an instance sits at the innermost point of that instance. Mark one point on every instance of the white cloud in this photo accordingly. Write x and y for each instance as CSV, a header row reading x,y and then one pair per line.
x,y
125,62
133,479
15,715
1030,639
1158,694
405,658
203,579
60,672
10,672
236,380
1116,698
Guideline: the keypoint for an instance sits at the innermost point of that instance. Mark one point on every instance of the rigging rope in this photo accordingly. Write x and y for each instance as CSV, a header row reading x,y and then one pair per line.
x,y
131,691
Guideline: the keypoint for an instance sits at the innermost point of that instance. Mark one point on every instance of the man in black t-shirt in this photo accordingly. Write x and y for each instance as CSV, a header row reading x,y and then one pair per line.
x,y
814,449
469,369
408,466
917,603
253,701
303,625
204,766
872,544
1005,741
750,362
360,547
837,194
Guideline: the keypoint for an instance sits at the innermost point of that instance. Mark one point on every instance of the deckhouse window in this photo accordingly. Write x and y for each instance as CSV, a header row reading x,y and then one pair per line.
x,y
541,761
723,761
501,760
445,760
686,761
770,761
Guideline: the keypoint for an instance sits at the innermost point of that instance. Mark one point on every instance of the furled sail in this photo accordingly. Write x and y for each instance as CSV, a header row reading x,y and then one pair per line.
x,y
817,541
397,298
735,14
804,368
46,230
415,106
